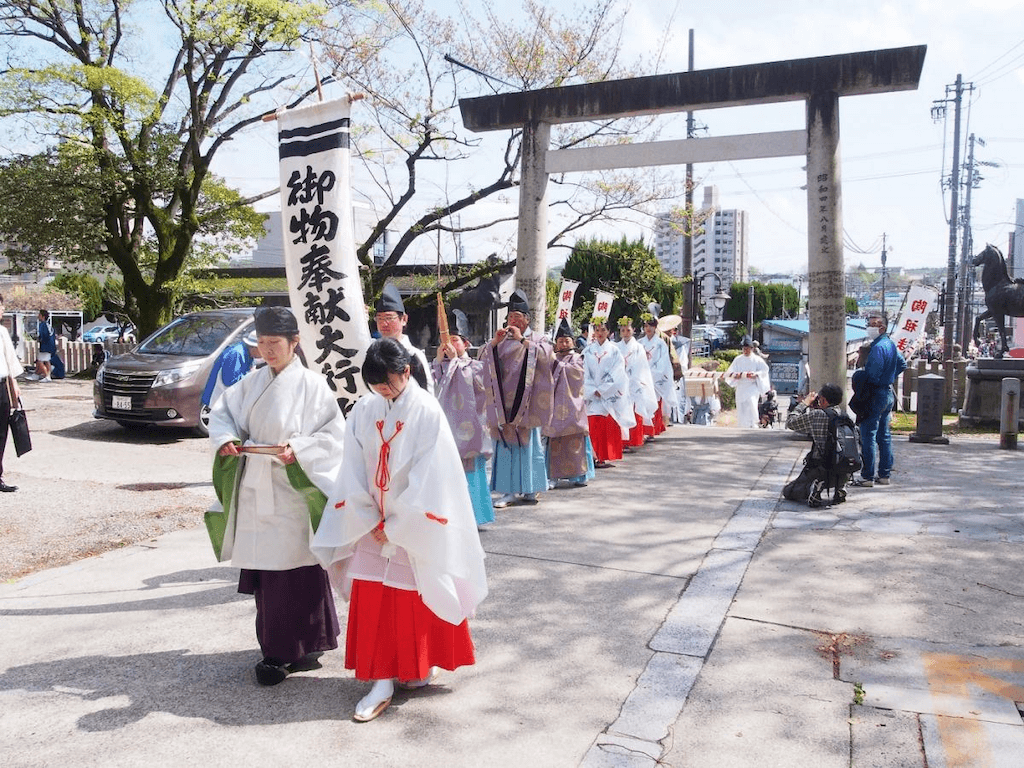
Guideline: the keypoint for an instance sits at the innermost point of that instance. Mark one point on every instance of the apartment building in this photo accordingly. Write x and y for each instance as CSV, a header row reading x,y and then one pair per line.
x,y
721,246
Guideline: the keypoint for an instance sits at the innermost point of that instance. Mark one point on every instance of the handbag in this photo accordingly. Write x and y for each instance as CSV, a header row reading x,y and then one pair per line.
x,y
799,489
19,425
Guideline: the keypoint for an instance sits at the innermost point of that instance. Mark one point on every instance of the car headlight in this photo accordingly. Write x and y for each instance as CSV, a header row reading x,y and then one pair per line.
x,y
99,373
174,375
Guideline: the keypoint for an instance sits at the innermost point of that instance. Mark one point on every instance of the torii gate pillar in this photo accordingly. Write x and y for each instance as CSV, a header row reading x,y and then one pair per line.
x,y
532,250
826,302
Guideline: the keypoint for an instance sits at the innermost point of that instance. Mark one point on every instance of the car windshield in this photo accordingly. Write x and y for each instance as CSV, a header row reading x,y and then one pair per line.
x,y
191,336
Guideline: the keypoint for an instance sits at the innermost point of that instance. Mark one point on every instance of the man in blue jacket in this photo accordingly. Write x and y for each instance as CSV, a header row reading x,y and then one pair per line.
x,y
883,365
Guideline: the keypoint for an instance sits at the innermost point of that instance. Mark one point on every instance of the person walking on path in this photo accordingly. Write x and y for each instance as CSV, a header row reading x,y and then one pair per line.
x,y
462,392
391,319
659,357
277,436
606,392
641,384
569,453
517,362
399,538
883,366
10,394
47,346
748,375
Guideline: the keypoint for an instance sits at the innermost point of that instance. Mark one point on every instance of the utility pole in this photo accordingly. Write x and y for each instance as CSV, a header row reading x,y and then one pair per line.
x,y
966,284
689,295
939,110
883,279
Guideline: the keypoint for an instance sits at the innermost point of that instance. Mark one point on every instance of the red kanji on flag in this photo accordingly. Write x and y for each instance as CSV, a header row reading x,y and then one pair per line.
x,y
566,295
602,307
901,344
563,314
920,305
910,325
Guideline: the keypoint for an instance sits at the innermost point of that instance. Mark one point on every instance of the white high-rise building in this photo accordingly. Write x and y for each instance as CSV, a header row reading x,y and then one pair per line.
x,y
1016,254
720,247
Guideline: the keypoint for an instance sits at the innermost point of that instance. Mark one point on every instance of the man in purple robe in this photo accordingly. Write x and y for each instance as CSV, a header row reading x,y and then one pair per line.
x,y
568,432
517,362
462,390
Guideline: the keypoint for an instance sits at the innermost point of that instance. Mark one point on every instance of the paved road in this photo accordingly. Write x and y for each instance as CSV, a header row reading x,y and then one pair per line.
x,y
672,610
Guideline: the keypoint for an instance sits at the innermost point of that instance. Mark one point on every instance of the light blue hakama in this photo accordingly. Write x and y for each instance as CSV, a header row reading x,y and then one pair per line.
x,y
480,491
520,468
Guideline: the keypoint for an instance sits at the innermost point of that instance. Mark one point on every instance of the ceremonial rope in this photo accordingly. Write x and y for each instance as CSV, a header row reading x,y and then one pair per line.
x,y
382,478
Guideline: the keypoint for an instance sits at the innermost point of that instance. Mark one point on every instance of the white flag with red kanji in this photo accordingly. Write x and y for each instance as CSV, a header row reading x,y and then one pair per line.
x,y
909,327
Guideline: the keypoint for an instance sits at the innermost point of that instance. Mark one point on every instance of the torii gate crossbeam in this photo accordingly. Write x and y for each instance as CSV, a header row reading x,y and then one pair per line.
x,y
819,82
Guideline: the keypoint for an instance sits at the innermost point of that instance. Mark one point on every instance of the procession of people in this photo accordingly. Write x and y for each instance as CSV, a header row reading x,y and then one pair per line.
x,y
386,506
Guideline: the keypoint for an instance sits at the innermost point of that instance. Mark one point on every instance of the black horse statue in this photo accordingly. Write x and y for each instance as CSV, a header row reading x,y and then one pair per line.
x,y
1003,296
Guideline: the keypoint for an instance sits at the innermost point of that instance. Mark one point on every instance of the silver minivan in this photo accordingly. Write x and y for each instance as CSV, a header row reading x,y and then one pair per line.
x,y
161,381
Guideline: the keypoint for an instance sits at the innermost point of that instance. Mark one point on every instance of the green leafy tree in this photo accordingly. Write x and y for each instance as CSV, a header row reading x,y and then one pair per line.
x,y
771,300
628,269
86,287
133,131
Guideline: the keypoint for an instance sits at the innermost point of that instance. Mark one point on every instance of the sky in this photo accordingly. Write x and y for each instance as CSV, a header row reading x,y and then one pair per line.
x,y
894,155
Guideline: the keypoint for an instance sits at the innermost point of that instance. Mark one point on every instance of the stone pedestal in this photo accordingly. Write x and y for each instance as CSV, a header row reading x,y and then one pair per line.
x,y
930,397
984,391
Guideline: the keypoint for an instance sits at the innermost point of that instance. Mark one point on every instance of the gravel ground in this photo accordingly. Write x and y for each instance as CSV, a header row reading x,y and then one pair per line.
x,y
89,486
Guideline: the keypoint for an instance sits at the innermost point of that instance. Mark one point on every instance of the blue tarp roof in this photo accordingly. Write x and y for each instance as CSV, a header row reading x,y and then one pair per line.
x,y
855,329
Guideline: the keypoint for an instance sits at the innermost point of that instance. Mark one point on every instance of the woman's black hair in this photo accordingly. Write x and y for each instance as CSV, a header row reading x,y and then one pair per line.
x,y
387,356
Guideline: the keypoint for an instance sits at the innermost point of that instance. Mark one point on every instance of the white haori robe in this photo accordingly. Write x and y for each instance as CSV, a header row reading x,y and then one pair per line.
x,y
606,385
641,383
401,464
661,371
748,390
271,529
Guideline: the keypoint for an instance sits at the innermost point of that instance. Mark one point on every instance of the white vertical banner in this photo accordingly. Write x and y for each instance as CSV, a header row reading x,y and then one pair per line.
x,y
566,295
602,310
603,305
319,244
920,300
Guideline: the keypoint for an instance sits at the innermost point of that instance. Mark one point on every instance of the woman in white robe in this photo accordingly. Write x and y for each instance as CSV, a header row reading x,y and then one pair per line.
x,y
399,538
272,501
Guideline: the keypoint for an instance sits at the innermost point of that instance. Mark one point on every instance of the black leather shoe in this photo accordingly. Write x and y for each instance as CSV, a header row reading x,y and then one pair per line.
x,y
5,488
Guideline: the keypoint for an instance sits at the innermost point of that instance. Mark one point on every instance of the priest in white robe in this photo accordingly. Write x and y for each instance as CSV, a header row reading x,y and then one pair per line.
x,y
277,437
399,537
391,319
748,375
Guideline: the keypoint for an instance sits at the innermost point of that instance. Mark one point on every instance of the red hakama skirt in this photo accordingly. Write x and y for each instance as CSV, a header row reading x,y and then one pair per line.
x,y
606,437
659,423
392,634
636,434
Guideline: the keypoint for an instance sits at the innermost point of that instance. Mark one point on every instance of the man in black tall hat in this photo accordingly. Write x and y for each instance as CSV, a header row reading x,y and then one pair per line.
x,y
568,454
389,314
518,363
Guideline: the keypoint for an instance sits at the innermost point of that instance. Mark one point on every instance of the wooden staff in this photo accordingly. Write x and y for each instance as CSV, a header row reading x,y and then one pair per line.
x,y
442,322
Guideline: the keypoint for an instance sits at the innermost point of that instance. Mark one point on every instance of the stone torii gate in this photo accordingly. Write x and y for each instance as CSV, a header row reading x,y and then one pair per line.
x,y
817,81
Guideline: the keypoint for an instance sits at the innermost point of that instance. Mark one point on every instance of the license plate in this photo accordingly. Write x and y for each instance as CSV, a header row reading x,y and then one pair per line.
x,y
121,403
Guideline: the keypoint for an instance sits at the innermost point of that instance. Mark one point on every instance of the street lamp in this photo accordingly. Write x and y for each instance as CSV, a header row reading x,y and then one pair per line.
x,y
717,300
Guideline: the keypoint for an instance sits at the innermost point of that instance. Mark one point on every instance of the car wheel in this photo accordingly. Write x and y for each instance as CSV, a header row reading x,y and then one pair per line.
x,y
203,427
